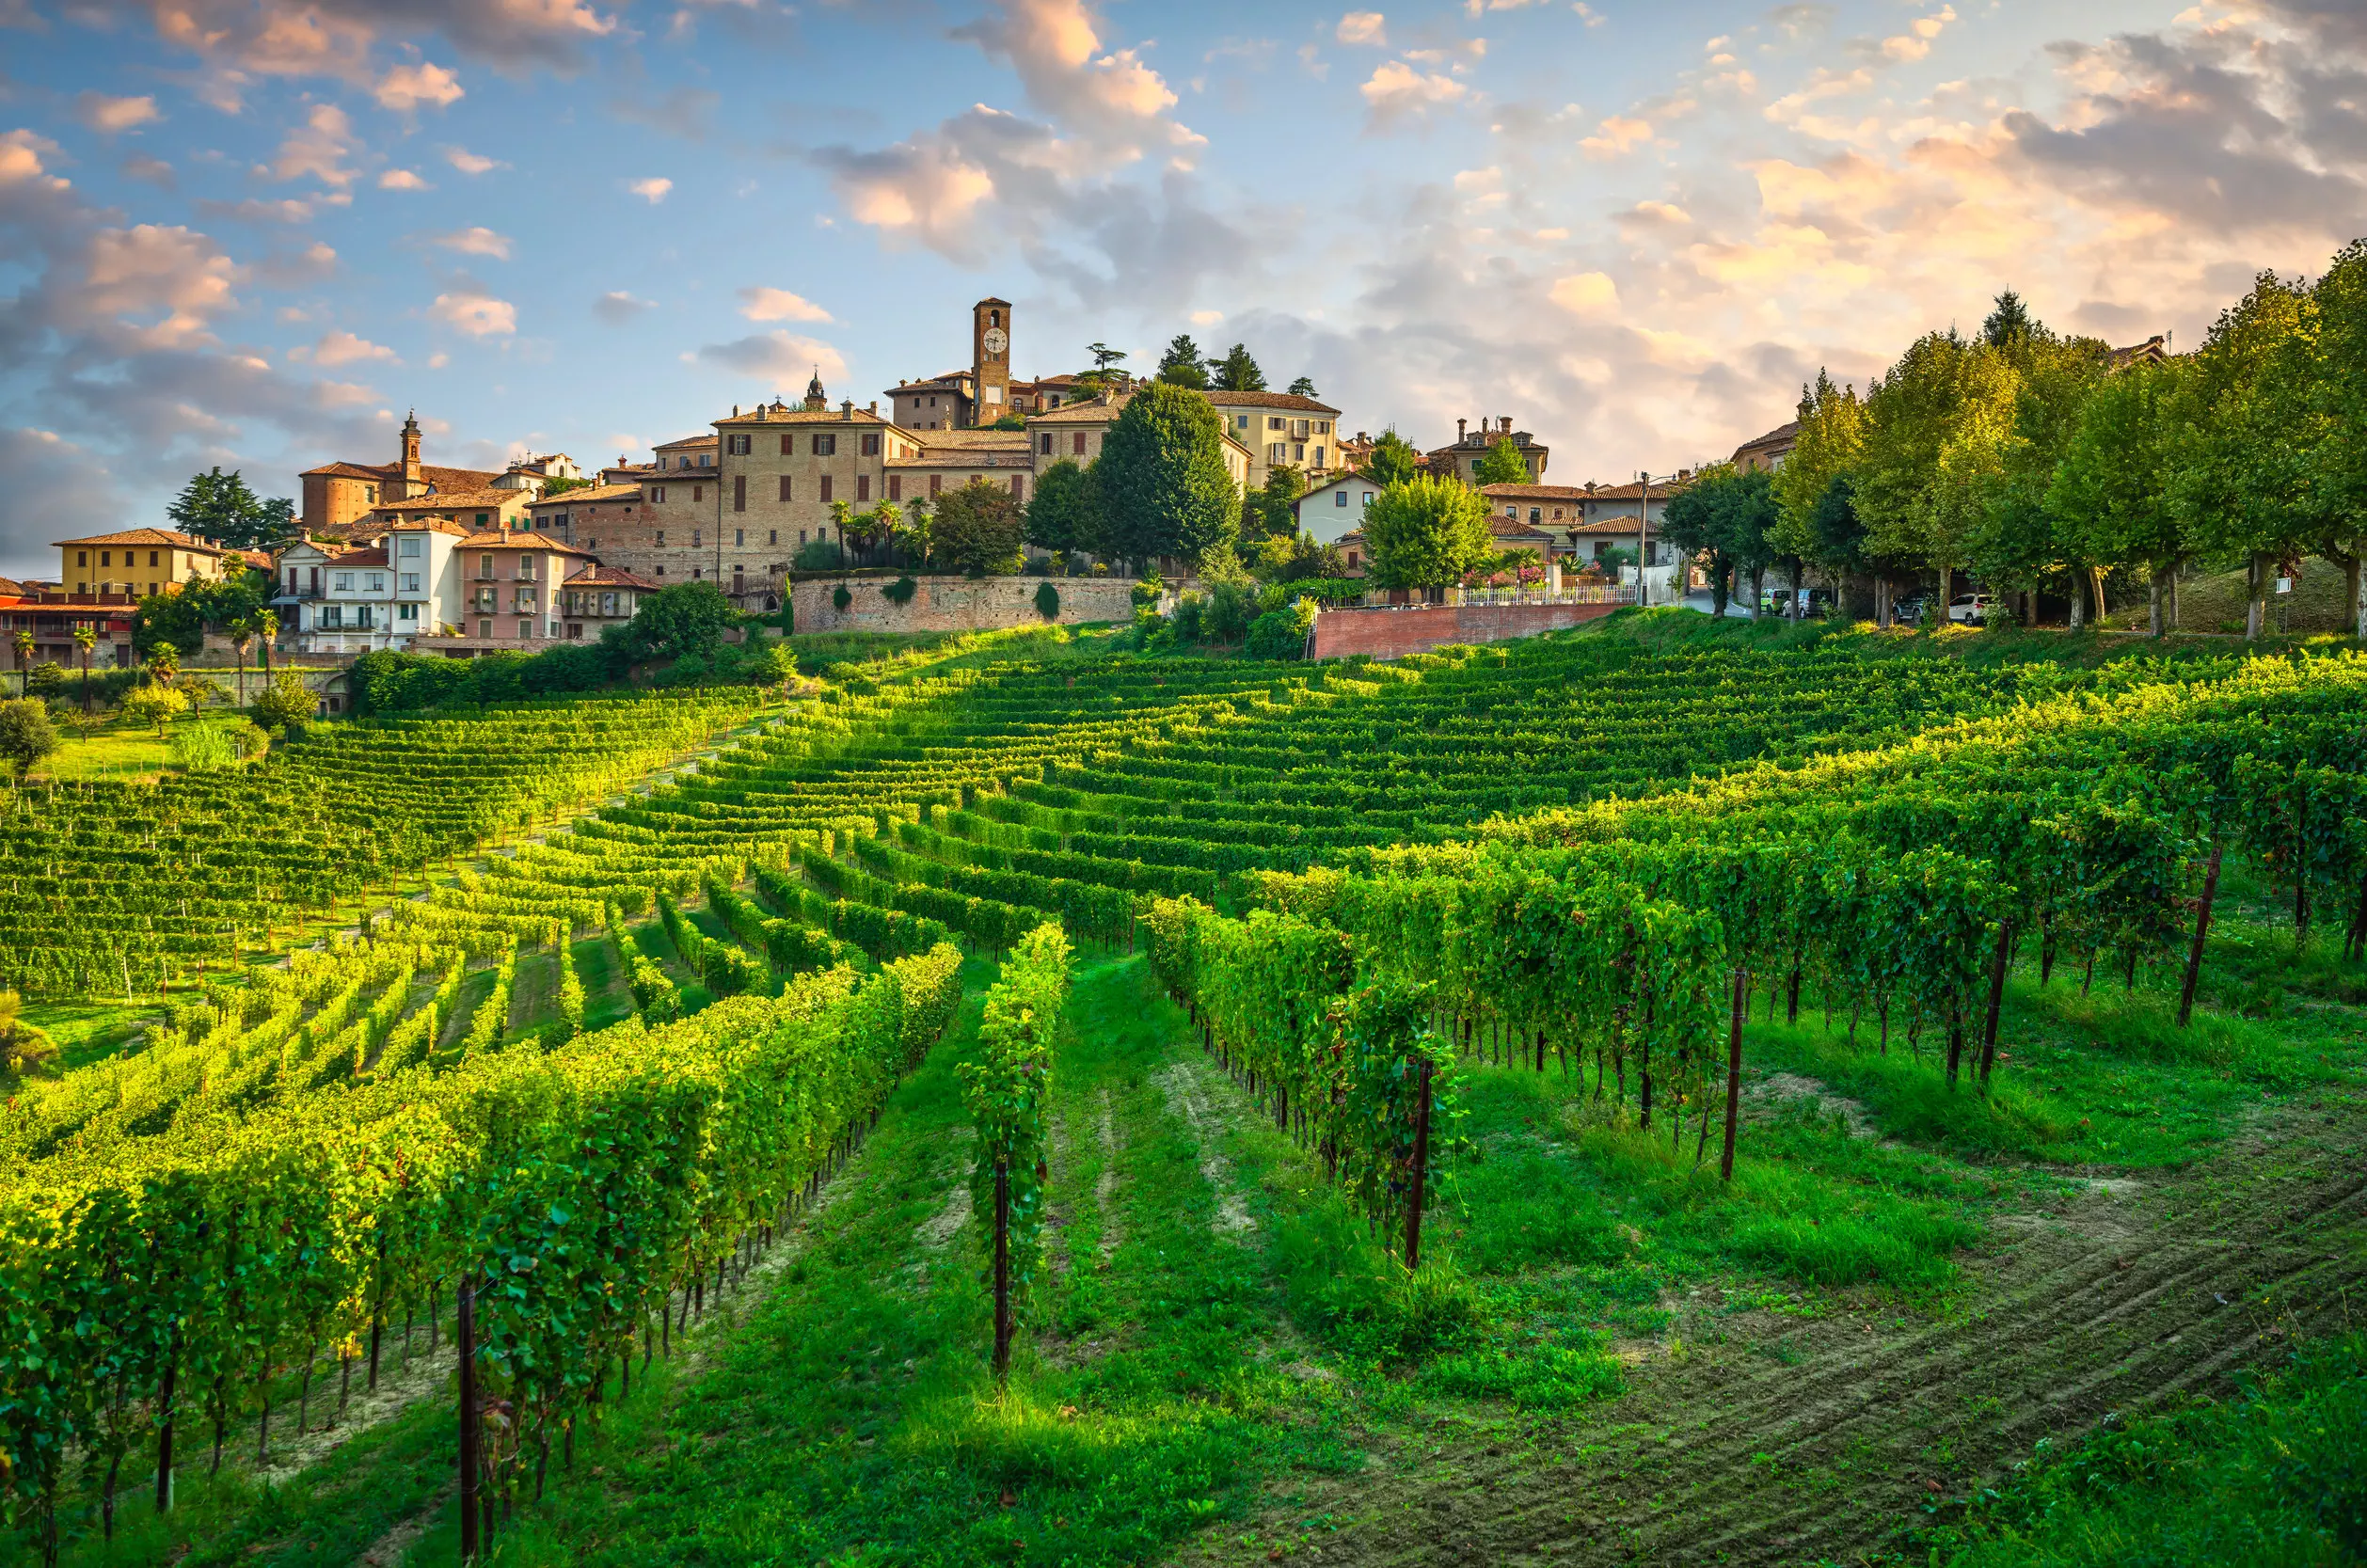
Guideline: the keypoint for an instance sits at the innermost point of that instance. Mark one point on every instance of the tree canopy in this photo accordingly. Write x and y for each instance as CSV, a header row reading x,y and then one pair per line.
x,y
179,618
219,506
1065,514
686,619
1236,371
1164,484
1728,515
1501,465
1277,502
2008,321
1181,364
1392,459
1426,533
979,530
1304,387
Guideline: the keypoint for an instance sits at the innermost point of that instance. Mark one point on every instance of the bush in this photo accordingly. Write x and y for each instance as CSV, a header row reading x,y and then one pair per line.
x,y
26,735
819,556
285,702
1282,633
202,746
154,704
45,679
1147,593
1048,601
900,591
1231,608
841,598
1190,617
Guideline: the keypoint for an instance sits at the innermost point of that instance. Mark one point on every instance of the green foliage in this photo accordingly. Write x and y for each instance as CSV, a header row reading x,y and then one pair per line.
x,y
1304,387
900,591
818,555
685,620
1005,1088
1282,633
1181,364
1065,514
979,530
26,735
284,702
219,506
841,596
1164,484
2011,320
1831,438
1501,465
1425,533
1277,503
1728,516
384,681
1237,371
1393,460
179,618
154,704
1047,601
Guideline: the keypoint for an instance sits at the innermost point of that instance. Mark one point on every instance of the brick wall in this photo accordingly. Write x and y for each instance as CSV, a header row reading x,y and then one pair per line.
x,y
1393,633
958,604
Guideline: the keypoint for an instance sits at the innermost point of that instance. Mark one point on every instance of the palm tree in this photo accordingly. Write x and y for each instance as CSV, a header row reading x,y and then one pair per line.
x,y
86,638
164,663
844,515
242,632
24,642
266,626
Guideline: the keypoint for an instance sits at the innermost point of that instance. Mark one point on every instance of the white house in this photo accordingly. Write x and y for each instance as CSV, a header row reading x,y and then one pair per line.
x,y
403,585
1336,508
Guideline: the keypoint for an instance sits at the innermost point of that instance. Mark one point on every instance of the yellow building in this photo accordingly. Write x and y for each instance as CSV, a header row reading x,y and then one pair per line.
x,y
139,562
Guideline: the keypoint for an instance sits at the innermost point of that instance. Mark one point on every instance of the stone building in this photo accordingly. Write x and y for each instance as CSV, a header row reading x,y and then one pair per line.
x,y
1462,459
339,495
1276,428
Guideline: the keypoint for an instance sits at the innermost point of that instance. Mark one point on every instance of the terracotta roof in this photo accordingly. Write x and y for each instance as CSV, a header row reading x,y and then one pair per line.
x,y
706,440
781,413
1783,435
523,539
389,473
608,577
260,559
2152,351
982,440
456,501
1082,413
1507,528
430,525
590,496
374,556
146,536
1534,492
1662,490
1622,525
1268,400
949,381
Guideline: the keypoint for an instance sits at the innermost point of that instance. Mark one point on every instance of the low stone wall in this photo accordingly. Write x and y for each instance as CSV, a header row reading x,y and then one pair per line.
x,y
1393,633
957,604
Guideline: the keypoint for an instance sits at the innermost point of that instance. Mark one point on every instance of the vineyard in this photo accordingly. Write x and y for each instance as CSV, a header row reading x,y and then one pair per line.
x,y
1357,1060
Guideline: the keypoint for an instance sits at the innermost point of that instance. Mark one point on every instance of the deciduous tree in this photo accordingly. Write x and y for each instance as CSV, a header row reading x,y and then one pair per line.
x,y
1501,465
1426,533
979,530
1164,488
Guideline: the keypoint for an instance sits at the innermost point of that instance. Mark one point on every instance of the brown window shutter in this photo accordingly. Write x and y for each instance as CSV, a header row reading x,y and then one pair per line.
x,y
935,481
1019,487
895,487
863,487
739,492
786,442
785,482
825,490
1076,443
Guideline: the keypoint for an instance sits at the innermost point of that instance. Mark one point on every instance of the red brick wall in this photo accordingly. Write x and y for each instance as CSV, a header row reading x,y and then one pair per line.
x,y
1393,633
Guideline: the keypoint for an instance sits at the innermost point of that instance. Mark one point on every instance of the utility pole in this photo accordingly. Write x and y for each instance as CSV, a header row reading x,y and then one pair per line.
x,y
1643,538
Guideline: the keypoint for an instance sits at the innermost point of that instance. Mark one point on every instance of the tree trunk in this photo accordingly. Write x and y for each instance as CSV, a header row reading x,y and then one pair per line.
x,y
2156,601
2355,592
2256,605
2203,930
1996,1000
1758,583
2079,603
2095,579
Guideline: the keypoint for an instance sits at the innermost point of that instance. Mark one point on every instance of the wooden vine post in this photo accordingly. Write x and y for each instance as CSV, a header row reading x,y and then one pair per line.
x,y
1997,999
464,1335
1422,1169
2203,929
1734,1071
1002,1270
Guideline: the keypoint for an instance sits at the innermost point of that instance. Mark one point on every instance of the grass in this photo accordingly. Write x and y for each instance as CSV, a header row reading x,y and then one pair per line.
x,y
116,748
2275,1477
2218,602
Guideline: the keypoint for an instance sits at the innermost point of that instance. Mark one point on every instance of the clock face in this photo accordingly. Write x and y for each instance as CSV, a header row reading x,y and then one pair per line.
x,y
996,340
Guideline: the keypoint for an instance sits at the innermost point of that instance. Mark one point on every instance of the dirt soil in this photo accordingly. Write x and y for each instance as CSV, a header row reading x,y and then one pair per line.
x,y
1757,1437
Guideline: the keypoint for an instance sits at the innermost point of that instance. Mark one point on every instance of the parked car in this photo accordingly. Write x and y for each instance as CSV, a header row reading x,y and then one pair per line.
x,y
1907,612
1970,610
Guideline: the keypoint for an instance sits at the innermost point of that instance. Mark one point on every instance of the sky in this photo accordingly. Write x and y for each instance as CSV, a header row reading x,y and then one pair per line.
x,y
255,233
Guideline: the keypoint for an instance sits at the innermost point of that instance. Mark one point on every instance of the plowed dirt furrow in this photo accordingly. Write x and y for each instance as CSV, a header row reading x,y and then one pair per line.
x,y
2113,1305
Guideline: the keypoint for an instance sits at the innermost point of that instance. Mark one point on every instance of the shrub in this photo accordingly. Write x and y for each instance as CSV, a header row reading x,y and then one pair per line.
x,y
26,735
154,704
1147,593
285,701
1191,612
1231,607
819,556
45,679
841,598
202,746
1048,601
1282,633
900,591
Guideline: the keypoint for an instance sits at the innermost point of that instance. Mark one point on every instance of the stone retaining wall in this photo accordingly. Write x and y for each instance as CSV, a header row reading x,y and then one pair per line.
x,y
957,604
1393,633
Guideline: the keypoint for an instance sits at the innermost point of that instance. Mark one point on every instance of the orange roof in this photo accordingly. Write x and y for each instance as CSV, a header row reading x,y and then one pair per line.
x,y
456,501
389,473
608,577
146,536
524,539
1268,400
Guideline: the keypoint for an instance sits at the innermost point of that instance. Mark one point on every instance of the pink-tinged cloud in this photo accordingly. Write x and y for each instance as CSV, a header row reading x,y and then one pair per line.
x,y
402,179
344,348
112,115
781,360
409,88
318,148
652,190
779,305
469,310
1369,29
478,241
1396,90
159,286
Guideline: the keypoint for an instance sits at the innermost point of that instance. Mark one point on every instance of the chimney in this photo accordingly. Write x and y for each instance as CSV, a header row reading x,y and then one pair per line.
x,y
873,407
846,408
1684,474
1460,427
734,410
1506,422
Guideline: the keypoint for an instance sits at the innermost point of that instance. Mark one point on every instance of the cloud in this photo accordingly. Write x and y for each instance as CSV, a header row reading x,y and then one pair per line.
x,y
318,148
471,163
779,360
242,38
1363,27
1616,137
478,241
255,211
651,190
402,179
57,490
779,305
1585,293
619,308
1396,89
152,171
112,115
343,348
405,87
1056,53
685,112
1915,43
468,309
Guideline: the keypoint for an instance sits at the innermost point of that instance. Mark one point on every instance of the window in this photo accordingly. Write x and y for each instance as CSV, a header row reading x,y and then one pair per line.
x,y
1319,457
526,631
707,460
291,580
361,617
345,583
1340,497
369,494
1076,444
82,558
375,582
1352,558
825,485
1044,444
409,544
406,612
1019,487
696,574
332,616
658,495
935,482
698,537
772,536
870,444
483,518
485,565
801,538
485,599
895,487
106,557
739,492
1274,422
786,492
484,629
526,567
1323,427
1241,421
825,446
152,558
1537,513
739,537
1298,452
736,445
698,493
1368,498
863,487
789,444
1274,452
662,538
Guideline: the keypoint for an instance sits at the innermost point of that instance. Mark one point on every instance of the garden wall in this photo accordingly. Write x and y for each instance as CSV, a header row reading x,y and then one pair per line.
x,y
957,604
1399,630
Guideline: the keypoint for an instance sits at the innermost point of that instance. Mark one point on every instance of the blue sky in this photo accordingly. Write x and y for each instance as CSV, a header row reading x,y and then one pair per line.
x,y
255,232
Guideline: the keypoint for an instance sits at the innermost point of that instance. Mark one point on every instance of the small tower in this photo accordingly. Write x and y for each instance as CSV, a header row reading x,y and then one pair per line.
x,y
817,401
414,482
991,358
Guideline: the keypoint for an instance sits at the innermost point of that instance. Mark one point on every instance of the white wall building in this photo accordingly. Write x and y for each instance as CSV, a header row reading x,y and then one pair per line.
x,y
1336,508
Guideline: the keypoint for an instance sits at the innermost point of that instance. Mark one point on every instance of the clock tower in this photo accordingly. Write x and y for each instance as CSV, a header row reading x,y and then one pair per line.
x,y
991,358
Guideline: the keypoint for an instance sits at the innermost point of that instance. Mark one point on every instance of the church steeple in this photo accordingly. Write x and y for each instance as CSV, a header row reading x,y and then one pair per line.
x,y
817,401
414,484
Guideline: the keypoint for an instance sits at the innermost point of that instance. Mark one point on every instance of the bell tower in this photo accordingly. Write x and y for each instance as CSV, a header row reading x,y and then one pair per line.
x,y
991,358
414,484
